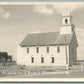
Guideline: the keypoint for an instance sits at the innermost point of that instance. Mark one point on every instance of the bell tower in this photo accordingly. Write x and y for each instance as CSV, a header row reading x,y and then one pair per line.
x,y
67,26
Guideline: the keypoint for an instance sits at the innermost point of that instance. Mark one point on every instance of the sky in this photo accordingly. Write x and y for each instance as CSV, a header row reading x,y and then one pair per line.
x,y
16,21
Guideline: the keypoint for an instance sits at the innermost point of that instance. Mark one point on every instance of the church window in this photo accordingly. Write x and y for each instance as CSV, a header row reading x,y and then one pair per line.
x,y
47,49
52,59
58,49
42,59
27,50
32,59
37,49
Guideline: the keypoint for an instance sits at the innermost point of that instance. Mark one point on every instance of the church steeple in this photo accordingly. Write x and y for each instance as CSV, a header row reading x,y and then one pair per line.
x,y
66,20
67,26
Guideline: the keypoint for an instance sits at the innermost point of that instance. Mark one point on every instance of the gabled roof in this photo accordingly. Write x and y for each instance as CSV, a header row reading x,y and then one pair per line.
x,y
46,39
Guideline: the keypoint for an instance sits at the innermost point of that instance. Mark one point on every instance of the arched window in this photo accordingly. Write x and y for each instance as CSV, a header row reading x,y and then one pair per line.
x,y
58,49
42,59
27,50
37,49
32,59
47,49
52,59
66,21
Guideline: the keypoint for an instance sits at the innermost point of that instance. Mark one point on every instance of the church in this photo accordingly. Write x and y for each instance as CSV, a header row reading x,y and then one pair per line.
x,y
50,48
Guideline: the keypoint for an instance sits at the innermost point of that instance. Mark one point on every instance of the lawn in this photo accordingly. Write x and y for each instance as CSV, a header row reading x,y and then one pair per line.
x,y
17,71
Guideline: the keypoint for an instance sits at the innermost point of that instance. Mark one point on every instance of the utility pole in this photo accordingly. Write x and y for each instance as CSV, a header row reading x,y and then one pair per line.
x,y
66,52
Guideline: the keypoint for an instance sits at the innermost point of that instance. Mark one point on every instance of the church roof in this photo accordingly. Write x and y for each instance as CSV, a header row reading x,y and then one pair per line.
x,y
46,39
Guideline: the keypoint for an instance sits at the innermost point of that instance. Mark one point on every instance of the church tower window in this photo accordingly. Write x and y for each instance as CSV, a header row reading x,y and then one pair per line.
x,y
66,21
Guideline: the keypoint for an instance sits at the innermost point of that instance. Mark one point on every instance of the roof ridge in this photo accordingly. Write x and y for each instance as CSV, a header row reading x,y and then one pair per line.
x,y
43,33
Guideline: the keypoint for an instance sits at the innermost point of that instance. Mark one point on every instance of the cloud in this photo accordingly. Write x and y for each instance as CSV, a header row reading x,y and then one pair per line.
x,y
59,7
4,13
43,9
67,7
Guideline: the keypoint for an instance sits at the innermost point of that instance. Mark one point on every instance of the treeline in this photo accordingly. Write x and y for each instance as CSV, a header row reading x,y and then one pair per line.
x,y
4,57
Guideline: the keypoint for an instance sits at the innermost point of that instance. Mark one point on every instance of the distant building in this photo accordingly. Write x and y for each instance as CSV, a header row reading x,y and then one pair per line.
x,y
51,48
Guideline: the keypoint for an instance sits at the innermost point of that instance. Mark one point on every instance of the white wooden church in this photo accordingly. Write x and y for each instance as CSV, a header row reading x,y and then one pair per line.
x,y
50,48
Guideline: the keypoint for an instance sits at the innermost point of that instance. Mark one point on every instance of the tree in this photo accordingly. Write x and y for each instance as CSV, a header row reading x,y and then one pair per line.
x,y
0,56
4,56
9,58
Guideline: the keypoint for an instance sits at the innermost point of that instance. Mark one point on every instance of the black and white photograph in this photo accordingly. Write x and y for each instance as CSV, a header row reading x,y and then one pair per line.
x,y
42,41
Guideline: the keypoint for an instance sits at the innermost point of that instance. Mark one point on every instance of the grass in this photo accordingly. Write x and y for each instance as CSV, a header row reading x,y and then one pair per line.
x,y
17,71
